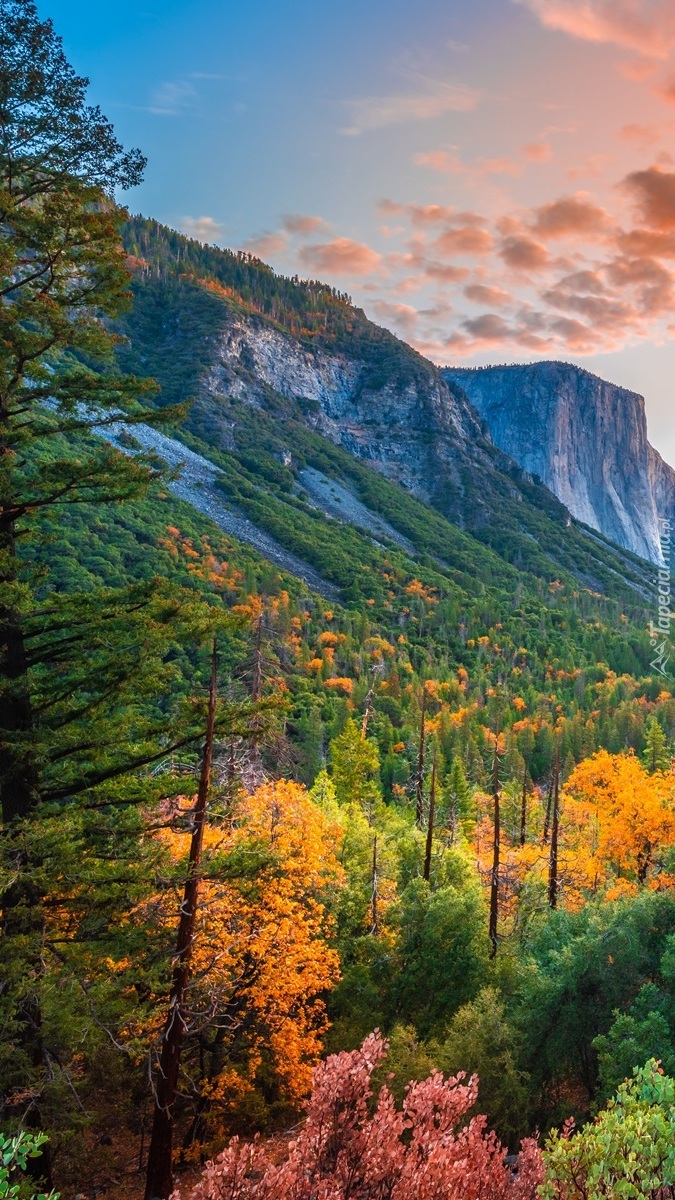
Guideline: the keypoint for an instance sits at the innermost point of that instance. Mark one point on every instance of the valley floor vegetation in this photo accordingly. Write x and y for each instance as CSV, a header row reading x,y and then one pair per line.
x,y
372,899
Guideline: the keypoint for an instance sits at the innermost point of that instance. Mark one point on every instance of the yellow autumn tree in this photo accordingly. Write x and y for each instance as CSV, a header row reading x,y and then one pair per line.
x,y
617,820
262,957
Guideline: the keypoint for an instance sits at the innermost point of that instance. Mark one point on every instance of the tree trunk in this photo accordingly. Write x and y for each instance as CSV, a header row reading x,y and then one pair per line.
x,y
430,827
159,1179
553,857
547,818
366,715
523,808
18,778
374,927
419,801
494,877
21,904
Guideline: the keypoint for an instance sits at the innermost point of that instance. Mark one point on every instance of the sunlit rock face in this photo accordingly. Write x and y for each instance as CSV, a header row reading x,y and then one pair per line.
x,y
410,424
585,438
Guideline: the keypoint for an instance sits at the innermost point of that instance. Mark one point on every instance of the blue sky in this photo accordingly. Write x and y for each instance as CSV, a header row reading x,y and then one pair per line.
x,y
479,176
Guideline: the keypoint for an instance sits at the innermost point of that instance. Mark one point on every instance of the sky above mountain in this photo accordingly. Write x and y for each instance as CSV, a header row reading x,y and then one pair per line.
x,y
494,181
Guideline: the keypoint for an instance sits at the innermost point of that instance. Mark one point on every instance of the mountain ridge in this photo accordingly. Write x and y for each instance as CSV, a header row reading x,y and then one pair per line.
x,y
278,374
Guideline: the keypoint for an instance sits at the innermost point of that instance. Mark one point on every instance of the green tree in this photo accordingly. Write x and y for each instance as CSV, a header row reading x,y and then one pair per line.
x,y
628,1151
355,763
15,1153
656,754
457,798
482,1041
85,680
441,953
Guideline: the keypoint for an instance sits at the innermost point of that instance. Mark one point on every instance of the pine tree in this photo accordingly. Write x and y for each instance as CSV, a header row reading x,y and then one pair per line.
x,y
656,754
83,679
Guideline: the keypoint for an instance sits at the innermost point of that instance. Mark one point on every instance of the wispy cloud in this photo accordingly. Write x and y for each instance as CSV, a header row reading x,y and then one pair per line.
x,y
451,164
203,229
432,98
172,98
266,245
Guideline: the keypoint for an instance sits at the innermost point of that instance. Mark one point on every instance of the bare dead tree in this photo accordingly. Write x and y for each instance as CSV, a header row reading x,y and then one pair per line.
x,y
430,826
419,800
494,875
553,856
374,927
523,808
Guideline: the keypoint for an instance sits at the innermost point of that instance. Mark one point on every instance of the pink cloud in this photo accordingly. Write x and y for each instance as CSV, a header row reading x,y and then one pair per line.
x,y
575,335
450,164
666,90
642,135
466,239
539,152
644,26
341,256
403,317
488,327
441,161
480,293
523,253
266,245
653,191
571,215
592,166
296,223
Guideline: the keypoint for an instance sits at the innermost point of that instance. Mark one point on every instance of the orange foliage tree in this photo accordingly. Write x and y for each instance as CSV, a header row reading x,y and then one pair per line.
x,y
617,821
262,956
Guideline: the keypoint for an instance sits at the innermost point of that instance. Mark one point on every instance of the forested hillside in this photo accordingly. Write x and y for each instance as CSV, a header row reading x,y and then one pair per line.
x,y
246,825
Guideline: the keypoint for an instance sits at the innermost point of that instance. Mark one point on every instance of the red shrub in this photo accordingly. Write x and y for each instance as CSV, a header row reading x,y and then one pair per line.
x,y
348,1151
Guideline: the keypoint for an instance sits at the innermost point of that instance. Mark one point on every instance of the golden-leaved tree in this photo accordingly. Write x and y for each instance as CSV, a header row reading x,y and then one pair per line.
x,y
262,955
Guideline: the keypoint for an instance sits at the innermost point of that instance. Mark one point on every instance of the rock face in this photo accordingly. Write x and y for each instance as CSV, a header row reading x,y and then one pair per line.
x,y
587,441
407,421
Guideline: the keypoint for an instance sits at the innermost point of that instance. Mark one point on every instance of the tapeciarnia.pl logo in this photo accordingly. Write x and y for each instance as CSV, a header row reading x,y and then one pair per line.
x,y
659,632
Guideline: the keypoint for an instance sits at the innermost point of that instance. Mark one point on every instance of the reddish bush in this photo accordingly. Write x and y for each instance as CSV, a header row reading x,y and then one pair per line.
x,y
350,1150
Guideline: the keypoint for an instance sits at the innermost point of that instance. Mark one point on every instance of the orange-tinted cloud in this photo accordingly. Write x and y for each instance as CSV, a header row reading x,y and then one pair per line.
x,y
641,135
341,256
450,164
666,90
650,281
539,152
465,239
644,26
441,161
571,215
523,253
654,193
592,166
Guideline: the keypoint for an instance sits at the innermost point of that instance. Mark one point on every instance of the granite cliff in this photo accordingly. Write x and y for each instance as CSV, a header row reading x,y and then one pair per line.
x,y
586,439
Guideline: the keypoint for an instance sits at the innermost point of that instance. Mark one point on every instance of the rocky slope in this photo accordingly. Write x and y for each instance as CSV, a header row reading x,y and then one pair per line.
x,y
585,438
